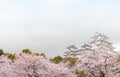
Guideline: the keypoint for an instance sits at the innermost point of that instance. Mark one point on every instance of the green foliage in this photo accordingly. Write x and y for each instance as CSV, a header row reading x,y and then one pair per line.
x,y
40,54
80,73
57,59
37,54
118,59
72,61
26,51
1,52
10,56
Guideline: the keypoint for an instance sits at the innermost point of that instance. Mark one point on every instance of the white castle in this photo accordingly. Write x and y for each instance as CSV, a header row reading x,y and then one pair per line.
x,y
99,42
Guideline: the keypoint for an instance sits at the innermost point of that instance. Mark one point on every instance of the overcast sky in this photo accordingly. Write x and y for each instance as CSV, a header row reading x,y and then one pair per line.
x,y
49,26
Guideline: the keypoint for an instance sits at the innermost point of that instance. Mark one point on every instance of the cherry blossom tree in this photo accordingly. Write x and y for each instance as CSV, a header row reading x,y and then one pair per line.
x,y
6,67
98,63
28,65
